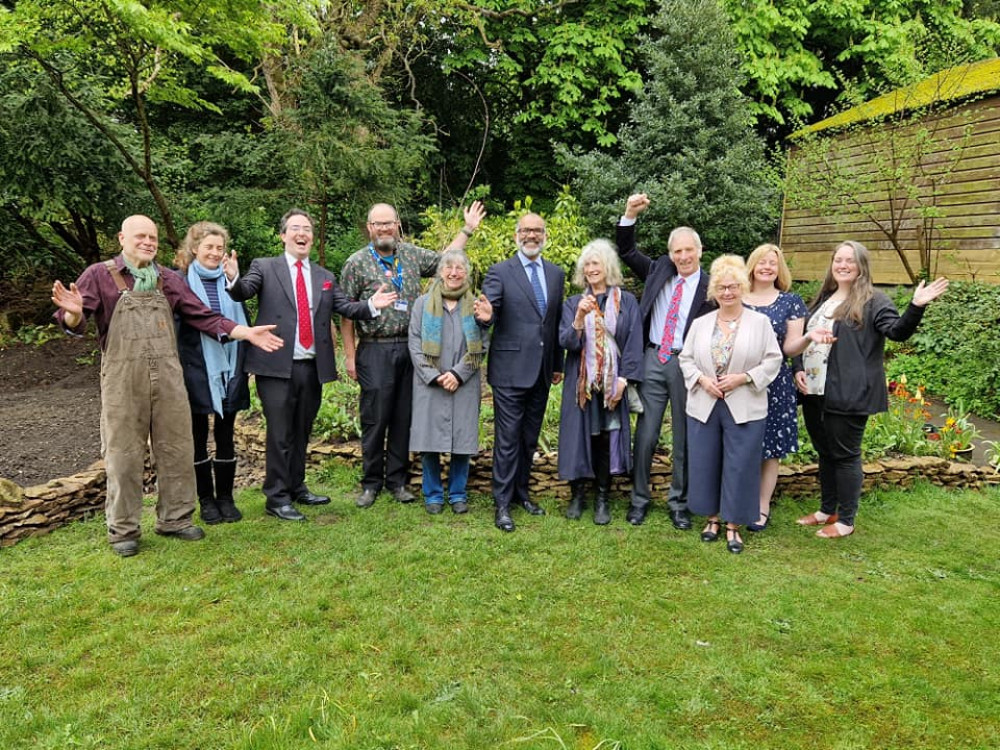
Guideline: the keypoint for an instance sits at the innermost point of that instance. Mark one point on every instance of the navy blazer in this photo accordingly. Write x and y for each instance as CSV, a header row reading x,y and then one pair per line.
x,y
524,342
268,279
655,275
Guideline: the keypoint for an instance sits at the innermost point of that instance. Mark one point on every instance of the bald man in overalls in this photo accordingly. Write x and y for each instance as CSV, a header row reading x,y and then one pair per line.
x,y
133,302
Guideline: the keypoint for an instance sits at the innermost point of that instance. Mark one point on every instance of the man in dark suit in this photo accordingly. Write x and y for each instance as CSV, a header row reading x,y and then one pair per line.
x,y
674,295
522,300
300,298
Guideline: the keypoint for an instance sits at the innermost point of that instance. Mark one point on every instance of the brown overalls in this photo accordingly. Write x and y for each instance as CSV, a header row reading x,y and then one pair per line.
x,y
143,398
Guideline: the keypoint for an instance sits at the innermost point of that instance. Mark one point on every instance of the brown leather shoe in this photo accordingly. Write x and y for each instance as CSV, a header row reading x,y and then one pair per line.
x,y
813,520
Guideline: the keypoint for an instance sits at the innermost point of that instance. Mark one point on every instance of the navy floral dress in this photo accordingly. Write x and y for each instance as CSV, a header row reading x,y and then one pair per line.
x,y
781,432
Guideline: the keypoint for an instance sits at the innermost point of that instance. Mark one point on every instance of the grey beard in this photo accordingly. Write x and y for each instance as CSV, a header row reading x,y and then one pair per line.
x,y
530,254
386,243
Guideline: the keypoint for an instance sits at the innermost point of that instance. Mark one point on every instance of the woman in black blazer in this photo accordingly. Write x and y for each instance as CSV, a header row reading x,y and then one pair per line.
x,y
842,377
213,372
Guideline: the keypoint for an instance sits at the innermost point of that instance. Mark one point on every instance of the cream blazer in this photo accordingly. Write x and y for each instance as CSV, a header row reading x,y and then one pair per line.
x,y
755,352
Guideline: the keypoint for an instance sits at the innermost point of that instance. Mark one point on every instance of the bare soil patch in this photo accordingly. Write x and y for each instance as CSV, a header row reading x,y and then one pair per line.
x,y
50,409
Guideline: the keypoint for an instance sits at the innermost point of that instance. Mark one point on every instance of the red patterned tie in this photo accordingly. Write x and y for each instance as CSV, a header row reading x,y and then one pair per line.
x,y
671,325
302,301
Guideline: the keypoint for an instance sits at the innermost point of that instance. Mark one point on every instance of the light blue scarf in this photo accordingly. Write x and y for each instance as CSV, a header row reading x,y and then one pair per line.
x,y
220,359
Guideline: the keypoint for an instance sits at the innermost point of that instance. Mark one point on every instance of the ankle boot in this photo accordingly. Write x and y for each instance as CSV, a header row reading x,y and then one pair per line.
x,y
578,499
602,471
225,473
206,492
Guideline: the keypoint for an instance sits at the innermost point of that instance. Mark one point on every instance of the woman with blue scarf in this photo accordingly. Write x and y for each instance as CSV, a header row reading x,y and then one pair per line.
x,y
213,372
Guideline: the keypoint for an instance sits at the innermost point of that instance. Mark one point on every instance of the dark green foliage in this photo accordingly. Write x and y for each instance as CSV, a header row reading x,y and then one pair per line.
x,y
688,143
956,353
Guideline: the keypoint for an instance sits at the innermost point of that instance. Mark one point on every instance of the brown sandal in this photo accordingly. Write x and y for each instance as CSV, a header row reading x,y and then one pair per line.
x,y
813,520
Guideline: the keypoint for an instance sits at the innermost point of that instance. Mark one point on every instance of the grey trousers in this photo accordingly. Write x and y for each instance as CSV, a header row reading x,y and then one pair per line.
x,y
662,384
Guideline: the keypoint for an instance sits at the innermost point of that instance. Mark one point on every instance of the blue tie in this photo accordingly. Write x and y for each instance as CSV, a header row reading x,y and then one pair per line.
x,y
536,284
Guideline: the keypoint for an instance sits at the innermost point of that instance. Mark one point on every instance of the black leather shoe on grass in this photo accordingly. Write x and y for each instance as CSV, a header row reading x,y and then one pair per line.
x,y
366,499
460,507
126,549
188,533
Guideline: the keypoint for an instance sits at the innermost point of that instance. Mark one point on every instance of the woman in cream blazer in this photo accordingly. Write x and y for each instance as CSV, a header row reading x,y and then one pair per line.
x,y
730,357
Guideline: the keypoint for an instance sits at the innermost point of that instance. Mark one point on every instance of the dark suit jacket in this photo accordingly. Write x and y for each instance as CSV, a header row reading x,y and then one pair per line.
x,y
268,279
655,274
524,343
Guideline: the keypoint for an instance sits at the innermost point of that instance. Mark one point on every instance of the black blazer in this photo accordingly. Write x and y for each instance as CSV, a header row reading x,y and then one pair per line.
x,y
268,279
855,374
656,274
524,343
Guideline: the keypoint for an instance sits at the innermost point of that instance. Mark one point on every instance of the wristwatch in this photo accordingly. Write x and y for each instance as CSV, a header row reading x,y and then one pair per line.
x,y
749,379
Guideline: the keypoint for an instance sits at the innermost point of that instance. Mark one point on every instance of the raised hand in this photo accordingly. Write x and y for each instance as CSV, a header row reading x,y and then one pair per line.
x,y
927,293
482,310
474,215
230,265
69,300
636,204
382,298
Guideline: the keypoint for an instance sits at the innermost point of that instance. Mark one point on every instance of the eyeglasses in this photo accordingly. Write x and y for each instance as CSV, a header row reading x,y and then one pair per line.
x,y
383,224
299,228
531,230
729,288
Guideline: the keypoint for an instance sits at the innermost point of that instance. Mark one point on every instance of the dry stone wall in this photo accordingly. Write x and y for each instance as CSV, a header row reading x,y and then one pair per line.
x,y
32,511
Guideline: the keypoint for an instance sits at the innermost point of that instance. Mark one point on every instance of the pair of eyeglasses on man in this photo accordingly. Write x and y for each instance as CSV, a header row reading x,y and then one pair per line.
x,y
531,230
383,224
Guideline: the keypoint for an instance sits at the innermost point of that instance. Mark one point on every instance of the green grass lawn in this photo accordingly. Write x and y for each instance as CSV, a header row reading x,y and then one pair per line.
x,y
389,628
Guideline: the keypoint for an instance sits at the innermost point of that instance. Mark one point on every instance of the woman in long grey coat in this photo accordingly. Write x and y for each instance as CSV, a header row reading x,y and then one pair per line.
x,y
447,348
601,331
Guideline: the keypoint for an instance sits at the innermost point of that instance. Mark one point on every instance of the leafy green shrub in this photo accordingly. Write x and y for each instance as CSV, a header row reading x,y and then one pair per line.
x,y
956,353
494,242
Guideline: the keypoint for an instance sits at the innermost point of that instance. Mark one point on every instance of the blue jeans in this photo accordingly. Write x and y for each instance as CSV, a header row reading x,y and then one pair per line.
x,y
458,477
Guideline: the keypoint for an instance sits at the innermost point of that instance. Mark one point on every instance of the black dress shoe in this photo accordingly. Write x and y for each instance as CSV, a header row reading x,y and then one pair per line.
x,y
636,515
285,513
532,508
366,499
403,495
503,520
190,533
311,499
681,519
733,542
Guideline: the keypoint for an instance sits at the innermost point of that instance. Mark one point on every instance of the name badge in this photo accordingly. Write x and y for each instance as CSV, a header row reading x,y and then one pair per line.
x,y
400,305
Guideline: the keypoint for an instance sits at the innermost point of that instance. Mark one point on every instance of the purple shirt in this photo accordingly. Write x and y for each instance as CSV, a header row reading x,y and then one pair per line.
x,y
100,296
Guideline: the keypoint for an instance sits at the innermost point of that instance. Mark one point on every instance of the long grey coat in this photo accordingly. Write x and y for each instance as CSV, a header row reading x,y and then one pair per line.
x,y
443,422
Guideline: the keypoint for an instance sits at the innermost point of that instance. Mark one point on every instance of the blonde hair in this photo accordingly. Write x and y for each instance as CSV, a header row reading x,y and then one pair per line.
x,y
726,266
784,281
853,308
603,251
195,234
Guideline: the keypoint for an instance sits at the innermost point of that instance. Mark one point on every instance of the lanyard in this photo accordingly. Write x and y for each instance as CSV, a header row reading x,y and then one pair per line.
x,y
395,278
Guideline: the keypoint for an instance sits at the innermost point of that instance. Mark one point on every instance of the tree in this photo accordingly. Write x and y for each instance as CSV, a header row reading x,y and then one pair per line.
x,y
350,147
688,142
889,172
798,55
114,61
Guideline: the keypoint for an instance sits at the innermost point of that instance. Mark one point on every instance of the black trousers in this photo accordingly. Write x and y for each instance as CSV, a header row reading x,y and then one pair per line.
x,y
385,374
518,414
837,439
222,430
290,407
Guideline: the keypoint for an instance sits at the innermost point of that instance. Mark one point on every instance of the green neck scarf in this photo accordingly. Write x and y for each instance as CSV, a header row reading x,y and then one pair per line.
x,y
145,278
